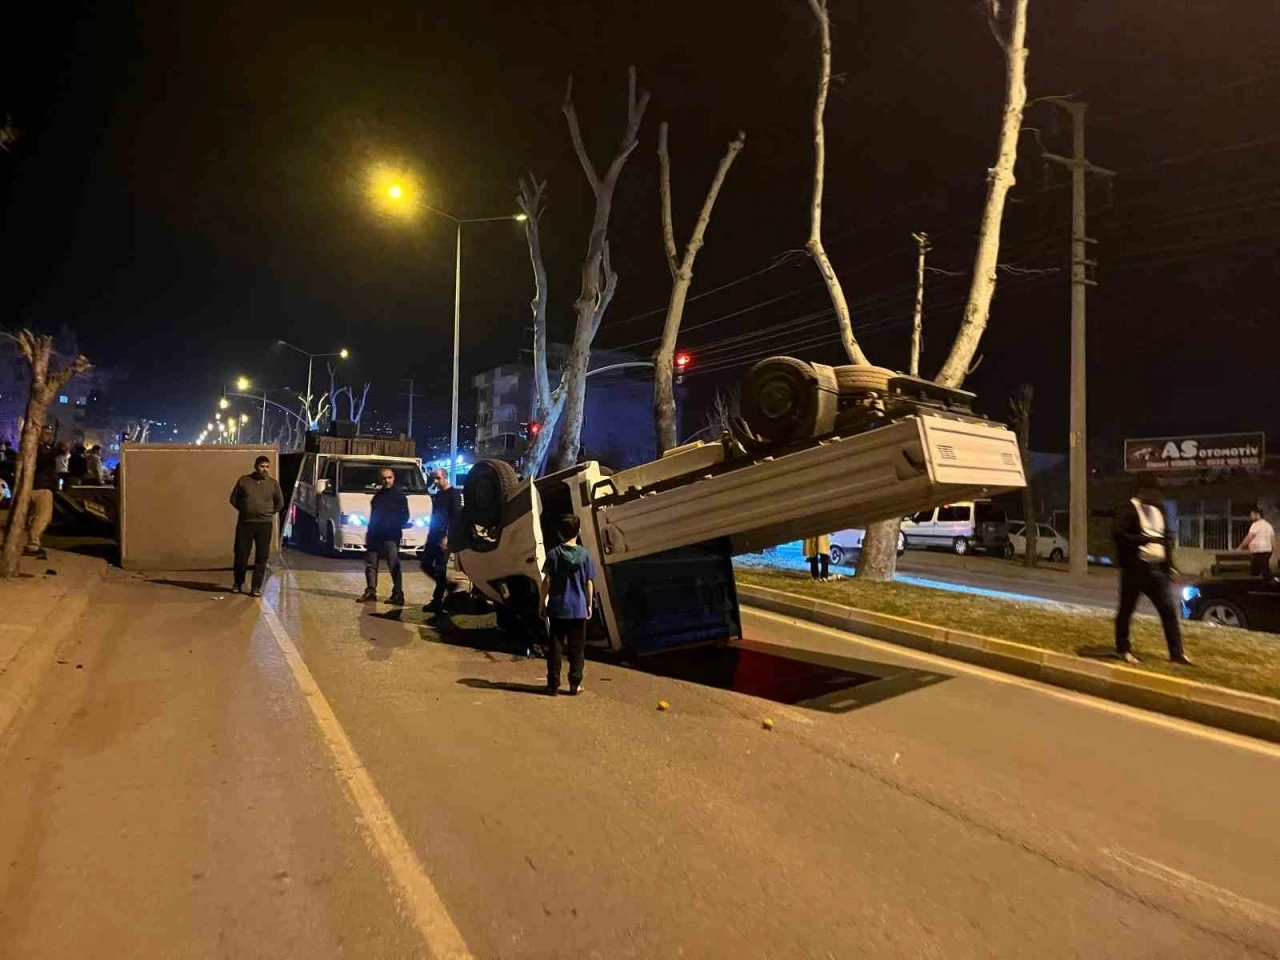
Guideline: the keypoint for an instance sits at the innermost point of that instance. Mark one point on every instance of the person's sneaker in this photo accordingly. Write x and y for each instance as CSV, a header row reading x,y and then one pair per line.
x,y
396,600
255,592
552,691
367,597
1182,659
39,553
1127,657
575,690
237,588
433,607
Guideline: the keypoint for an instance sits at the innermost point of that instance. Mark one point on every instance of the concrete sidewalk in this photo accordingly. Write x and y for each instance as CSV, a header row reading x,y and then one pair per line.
x,y
40,609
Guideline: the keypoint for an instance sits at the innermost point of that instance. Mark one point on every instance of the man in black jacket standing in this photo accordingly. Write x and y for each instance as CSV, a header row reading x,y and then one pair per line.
x,y
388,516
446,504
258,499
1144,552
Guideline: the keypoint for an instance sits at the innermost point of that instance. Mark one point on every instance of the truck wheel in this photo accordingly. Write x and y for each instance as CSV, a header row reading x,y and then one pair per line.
x,y
960,545
488,486
779,399
853,379
837,555
1007,551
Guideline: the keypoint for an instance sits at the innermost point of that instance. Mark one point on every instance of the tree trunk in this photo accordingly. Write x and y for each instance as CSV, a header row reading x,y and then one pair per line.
x,y
879,559
664,398
835,289
982,286
1020,409
45,384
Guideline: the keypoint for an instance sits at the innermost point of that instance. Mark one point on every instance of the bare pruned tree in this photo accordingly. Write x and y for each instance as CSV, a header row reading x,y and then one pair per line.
x,y
547,406
681,267
1020,414
46,381
879,547
599,281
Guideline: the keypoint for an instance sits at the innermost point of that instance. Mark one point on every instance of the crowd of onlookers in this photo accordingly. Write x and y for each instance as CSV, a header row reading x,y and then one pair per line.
x,y
59,465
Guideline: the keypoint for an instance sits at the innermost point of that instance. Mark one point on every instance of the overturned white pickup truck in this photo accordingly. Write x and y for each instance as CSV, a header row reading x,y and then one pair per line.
x,y
815,449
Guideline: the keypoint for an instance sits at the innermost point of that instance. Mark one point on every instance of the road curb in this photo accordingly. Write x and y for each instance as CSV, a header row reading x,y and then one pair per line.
x,y
1246,713
22,675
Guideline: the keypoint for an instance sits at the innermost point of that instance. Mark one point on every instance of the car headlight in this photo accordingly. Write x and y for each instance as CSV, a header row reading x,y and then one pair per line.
x,y
354,520
1189,593
422,523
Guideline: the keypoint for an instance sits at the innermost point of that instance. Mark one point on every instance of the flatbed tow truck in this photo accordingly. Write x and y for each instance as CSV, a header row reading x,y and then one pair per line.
x,y
815,449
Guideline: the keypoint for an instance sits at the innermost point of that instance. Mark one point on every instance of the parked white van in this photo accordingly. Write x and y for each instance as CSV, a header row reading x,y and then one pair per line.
x,y
329,505
964,527
847,544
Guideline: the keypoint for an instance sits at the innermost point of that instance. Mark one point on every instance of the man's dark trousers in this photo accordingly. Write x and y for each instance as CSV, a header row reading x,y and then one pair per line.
x,y
435,563
570,635
1137,579
1260,565
388,550
258,536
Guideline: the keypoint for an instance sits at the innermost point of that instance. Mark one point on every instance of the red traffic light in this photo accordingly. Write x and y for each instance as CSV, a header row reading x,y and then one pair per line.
x,y
535,428
682,360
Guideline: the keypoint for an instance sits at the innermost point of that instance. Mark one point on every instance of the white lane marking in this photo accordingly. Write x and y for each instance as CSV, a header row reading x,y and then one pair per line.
x,y
946,666
1258,912
382,833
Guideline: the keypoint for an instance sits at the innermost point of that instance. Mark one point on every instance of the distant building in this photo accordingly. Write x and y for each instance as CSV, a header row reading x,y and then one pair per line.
x,y
617,427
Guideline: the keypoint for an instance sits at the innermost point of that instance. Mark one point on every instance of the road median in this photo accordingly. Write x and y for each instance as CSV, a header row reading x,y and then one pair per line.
x,y
1239,711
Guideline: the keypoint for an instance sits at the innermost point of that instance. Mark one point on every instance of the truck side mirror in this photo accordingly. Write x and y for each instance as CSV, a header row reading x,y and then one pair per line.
x,y
322,486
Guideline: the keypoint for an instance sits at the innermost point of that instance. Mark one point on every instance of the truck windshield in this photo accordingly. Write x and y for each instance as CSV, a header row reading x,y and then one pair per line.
x,y
356,477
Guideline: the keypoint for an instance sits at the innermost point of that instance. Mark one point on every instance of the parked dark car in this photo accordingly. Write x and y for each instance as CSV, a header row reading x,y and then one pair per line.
x,y
1247,602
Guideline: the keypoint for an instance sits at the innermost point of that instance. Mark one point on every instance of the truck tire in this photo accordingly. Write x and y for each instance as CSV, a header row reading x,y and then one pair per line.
x,y
854,379
488,486
779,399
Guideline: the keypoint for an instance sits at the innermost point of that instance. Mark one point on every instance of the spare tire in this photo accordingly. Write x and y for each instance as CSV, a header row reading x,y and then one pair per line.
x,y
489,485
859,378
780,399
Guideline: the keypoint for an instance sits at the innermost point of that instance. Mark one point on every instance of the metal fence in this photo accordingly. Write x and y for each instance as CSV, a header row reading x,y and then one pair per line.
x,y
1212,525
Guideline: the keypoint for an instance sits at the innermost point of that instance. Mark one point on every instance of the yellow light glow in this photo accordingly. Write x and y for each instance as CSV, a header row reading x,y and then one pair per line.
x,y
243,383
520,218
244,418
344,353
394,191
224,403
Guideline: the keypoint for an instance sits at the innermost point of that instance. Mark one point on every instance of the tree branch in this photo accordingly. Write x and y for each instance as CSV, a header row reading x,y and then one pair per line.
x,y
709,201
575,134
530,201
664,191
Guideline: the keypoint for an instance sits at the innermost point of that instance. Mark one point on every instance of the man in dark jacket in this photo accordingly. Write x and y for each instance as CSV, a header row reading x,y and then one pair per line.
x,y
257,499
1144,553
388,516
43,485
446,504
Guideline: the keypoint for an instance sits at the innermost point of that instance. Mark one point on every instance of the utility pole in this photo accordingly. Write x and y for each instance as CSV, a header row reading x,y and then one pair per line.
x,y
917,319
410,395
1078,164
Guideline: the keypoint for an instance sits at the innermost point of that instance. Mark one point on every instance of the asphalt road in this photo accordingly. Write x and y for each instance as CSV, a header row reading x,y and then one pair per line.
x,y
206,776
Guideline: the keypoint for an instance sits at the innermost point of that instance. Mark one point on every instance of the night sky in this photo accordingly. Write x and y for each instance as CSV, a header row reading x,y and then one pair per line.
x,y
188,187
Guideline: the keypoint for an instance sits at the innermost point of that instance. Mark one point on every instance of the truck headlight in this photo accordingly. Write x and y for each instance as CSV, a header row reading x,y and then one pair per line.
x,y
1189,593
422,523
354,520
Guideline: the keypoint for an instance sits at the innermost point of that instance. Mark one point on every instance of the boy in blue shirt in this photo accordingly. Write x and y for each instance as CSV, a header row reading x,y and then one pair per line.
x,y
568,596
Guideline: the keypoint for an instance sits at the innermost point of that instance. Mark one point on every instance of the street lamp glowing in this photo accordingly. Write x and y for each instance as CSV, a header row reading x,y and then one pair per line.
x,y
344,353
244,418
208,426
395,191
224,403
520,217
242,383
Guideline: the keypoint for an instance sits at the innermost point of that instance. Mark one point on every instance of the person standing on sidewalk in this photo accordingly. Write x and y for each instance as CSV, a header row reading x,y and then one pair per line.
x,y
446,504
817,550
258,499
568,598
388,516
1144,552
1260,542
43,485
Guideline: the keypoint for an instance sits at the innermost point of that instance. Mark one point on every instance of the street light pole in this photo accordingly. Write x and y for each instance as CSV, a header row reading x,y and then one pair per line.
x,y
457,326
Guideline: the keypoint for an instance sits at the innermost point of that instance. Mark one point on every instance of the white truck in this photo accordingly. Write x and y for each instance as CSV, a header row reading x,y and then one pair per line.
x,y
816,449
329,489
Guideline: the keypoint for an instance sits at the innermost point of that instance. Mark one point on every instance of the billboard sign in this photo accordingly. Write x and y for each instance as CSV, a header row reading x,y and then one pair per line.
x,y
1195,452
